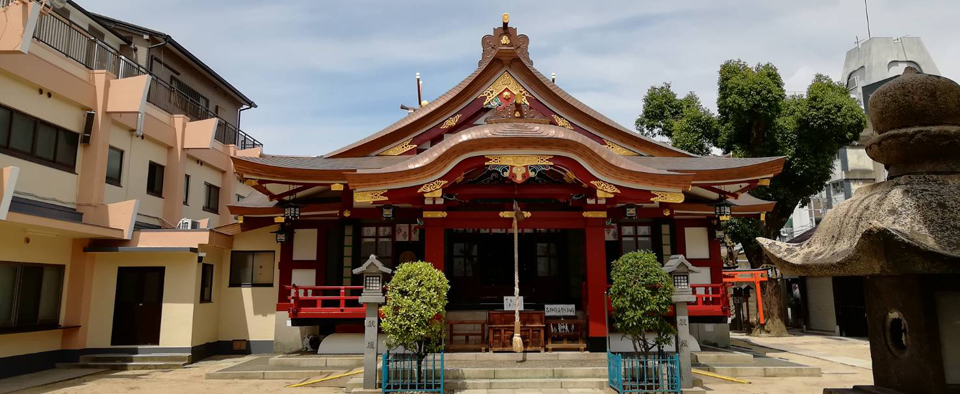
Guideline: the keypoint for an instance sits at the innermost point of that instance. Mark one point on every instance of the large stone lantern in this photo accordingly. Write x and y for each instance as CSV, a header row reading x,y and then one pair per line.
x,y
903,236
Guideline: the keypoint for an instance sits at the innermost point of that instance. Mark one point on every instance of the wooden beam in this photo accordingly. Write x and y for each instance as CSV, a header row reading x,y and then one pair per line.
x,y
293,191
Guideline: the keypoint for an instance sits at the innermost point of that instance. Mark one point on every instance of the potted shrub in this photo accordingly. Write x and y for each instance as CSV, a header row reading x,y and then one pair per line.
x,y
413,316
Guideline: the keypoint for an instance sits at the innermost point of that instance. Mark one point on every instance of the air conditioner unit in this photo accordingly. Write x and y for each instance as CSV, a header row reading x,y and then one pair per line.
x,y
188,224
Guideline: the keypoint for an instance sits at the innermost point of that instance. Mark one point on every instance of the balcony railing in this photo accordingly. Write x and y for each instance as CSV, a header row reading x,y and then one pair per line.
x,y
68,39
317,302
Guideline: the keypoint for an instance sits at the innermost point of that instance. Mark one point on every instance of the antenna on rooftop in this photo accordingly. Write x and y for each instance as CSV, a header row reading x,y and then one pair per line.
x,y
553,77
866,11
419,90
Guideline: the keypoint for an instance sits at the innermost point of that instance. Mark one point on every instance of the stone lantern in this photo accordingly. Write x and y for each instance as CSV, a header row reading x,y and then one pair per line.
x,y
373,273
903,236
680,269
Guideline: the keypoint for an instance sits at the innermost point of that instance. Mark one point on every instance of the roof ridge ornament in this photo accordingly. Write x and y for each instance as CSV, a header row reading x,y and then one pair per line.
x,y
505,43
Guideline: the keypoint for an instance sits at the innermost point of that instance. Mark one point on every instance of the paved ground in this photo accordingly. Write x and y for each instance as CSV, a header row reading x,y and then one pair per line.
x,y
844,361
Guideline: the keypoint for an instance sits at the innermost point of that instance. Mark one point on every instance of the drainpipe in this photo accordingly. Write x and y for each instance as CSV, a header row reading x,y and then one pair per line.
x,y
240,112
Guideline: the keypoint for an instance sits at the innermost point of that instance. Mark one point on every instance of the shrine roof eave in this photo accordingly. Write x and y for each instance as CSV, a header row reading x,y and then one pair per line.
x,y
518,139
715,169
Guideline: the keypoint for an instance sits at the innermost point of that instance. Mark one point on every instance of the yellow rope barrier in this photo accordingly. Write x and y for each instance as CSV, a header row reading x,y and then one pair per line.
x,y
327,378
713,375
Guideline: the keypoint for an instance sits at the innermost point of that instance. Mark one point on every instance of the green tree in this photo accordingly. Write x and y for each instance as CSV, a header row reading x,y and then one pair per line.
x,y
756,118
686,122
414,313
641,295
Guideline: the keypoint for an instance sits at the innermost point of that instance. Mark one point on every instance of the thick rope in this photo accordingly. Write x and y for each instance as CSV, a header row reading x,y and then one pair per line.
x,y
517,341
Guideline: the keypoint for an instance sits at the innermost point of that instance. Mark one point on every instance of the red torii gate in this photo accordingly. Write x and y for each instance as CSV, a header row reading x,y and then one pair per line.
x,y
749,276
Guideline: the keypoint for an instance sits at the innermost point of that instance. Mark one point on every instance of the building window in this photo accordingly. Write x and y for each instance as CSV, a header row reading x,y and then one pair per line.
x,y
666,244
252,269
211,202
188,91
547,259
28,138
377,240
186,189
30,294
464,258
206,283
114,166
155,180
634,238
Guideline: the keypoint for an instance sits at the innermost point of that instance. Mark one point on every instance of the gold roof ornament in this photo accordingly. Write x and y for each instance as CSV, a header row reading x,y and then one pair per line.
x,y
506,17
398,149
671,197
504,81
432,186
562,122
519,160
603,186
618,149
451,121
369,196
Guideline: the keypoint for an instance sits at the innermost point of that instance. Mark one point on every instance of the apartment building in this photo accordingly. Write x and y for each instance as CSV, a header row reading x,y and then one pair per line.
x,y
112,134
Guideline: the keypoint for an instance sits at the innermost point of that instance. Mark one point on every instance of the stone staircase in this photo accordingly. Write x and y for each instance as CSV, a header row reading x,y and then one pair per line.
x,y
469,371
130,361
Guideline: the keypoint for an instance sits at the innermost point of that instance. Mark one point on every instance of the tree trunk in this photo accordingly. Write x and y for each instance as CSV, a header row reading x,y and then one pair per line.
x,y
772,295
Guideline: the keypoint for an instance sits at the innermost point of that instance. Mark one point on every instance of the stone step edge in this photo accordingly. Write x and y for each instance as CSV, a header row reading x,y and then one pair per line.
x,y
354,385
108,365
767,372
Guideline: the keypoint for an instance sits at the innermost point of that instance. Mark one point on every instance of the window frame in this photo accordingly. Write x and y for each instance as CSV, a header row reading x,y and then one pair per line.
x,y
636,237
15,299
119,181
207,186
249,282
377,237
206,282
32,155
150,166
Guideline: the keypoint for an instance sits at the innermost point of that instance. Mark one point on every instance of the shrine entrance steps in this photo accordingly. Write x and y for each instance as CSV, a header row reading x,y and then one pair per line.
x,y
130,362
559,370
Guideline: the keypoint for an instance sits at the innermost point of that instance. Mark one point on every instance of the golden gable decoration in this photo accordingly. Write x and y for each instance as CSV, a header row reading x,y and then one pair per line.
x,y
606,187
369,196
562,122
505,81
450,122
398,149
432,186
672,197
519,160
620,150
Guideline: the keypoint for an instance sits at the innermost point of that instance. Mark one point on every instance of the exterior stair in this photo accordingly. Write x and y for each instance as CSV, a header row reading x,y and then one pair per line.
x,y
468,371
130,362
745,365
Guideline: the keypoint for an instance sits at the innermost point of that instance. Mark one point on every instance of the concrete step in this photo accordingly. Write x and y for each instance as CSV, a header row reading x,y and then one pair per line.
x,y
355,385
130,358
317,361
721,357
749,371
267,375
124,366
525,373
487,384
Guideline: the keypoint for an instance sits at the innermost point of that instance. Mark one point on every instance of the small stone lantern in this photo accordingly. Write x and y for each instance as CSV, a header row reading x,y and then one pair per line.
x,y
903,236
373,273
680,269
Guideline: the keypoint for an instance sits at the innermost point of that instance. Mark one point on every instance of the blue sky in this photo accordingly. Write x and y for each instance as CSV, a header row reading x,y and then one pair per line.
x,y
325,74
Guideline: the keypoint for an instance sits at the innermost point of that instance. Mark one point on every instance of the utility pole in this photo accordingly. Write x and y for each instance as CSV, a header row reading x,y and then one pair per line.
x,y
867,12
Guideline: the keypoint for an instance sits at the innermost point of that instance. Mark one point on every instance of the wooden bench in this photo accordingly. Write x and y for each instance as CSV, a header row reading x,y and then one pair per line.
x,y
566,334
468,330
500,330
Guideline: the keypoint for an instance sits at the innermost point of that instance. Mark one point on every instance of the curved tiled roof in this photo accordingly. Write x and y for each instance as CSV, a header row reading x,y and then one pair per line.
x,y
324,163
699,163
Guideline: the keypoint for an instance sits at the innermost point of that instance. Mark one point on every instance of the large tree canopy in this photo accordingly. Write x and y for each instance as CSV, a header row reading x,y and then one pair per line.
x,y
756,118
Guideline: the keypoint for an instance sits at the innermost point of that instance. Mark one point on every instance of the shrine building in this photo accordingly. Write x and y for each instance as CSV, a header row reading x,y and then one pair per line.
x,y
439,185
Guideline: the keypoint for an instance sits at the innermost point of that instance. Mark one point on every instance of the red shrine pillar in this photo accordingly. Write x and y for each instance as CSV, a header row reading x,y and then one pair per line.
x,y
434,244
596,272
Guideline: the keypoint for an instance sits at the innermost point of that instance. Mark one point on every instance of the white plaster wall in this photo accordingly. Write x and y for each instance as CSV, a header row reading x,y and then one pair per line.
x,y
200,174
697,242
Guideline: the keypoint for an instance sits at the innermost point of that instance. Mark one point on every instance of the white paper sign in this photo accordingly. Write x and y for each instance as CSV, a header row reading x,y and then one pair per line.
x,y
509,304
560,310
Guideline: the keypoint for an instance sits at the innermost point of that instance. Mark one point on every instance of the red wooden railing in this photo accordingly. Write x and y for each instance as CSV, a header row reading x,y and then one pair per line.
x,y
315,302
712,300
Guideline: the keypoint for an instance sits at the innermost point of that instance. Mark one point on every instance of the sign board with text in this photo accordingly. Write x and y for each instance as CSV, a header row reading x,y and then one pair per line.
x,y
560,310
509,303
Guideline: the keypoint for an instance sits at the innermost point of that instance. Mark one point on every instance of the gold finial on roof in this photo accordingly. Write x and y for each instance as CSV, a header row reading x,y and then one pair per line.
x,y
506,18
